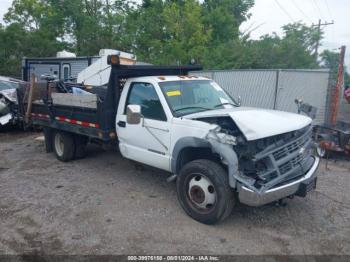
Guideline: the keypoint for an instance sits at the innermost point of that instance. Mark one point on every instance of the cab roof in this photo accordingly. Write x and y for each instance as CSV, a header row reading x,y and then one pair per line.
x,y
170,78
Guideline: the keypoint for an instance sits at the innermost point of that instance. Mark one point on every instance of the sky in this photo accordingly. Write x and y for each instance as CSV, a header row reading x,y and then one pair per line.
x,y
268,16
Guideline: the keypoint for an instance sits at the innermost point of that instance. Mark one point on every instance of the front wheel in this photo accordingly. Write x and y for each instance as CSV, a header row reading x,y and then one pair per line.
x,y
203,191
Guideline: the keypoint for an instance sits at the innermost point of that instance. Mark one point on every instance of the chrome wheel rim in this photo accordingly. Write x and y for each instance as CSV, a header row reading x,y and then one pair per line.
x,y
59,146
201,192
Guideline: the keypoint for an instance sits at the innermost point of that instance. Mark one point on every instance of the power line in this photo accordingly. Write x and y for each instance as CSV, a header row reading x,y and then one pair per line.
x,y
284,10
248,28
329,10
318,8
255,28
301,11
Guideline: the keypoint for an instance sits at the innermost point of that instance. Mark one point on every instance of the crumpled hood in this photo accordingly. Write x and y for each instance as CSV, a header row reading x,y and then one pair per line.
x,y
256,123
10,94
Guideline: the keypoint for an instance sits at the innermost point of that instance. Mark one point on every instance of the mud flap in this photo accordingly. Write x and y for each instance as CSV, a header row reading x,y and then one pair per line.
x,y
48,134
306,187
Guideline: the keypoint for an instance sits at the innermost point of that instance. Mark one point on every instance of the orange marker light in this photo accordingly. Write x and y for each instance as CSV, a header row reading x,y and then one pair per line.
x,y
113,60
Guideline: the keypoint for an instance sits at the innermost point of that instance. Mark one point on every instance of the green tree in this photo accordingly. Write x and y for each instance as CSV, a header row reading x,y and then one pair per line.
x,y
295,49
144,31
186,37
223,18
33,30
168,32
85,26
330,60
92,24
157,31
35,15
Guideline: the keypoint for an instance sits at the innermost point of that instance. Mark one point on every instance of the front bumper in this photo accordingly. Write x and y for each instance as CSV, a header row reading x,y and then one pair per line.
x,y
251,198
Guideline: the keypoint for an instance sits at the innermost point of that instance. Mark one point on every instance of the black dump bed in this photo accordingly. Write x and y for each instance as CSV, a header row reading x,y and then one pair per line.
x,y
94,114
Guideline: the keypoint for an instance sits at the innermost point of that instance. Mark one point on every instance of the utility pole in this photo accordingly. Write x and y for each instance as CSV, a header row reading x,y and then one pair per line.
x,y
338,86
319,34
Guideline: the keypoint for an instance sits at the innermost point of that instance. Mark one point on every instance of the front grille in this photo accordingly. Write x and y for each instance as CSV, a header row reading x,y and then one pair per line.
x,y
286,160
293,163
290,148
287,157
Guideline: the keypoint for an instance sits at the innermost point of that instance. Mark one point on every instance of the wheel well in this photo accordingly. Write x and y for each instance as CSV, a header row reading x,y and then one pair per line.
x,y
189,154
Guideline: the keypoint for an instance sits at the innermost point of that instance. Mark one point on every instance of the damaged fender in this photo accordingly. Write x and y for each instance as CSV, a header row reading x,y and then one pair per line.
x,y
183,143
222,145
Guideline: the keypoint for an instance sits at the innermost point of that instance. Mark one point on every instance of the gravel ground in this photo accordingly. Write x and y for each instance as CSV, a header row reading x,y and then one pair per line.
x,y
104,205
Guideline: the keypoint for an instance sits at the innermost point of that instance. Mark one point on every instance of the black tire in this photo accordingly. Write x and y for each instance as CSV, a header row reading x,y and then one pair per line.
x,y
218,178
65,149
80,146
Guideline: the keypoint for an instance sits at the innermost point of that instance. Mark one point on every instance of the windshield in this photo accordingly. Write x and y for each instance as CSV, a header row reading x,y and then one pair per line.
x,y
7,85
192,96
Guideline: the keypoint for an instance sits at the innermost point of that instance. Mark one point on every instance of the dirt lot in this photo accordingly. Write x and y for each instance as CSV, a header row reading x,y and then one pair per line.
x,y
104,205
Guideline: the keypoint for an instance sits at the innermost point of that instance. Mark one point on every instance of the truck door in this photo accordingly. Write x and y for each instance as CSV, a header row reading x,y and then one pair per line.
x,y
147,142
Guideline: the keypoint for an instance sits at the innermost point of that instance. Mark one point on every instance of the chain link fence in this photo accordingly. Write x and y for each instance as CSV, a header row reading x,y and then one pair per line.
x,y
277,89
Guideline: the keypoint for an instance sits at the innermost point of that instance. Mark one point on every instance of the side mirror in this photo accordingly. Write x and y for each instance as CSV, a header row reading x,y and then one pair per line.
x,y
239,100
133,114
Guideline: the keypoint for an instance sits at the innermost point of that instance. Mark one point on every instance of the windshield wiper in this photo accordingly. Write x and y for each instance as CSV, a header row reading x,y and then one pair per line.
x,y
227,103
192,107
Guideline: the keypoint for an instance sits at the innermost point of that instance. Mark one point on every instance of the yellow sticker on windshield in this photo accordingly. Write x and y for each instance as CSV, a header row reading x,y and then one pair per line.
x,y
174,93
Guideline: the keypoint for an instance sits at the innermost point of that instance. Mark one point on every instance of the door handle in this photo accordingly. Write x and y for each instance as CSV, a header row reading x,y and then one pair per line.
x,y
121,124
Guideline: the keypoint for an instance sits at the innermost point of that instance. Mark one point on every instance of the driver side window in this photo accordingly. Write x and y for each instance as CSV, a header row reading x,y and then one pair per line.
x,y
145,95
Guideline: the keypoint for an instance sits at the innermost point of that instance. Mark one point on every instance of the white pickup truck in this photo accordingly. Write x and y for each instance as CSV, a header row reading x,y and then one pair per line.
x,y
218,152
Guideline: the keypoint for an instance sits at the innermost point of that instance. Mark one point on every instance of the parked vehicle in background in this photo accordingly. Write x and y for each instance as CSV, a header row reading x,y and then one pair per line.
x,y
9,83
67,66
9,111
333,138
218,152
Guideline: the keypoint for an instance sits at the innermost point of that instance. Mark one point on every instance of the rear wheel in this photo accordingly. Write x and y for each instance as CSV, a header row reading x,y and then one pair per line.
x,y
203,191
64,146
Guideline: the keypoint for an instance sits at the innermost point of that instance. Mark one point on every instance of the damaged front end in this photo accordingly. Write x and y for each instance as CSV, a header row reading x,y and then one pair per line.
x,y
267,169
8,107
